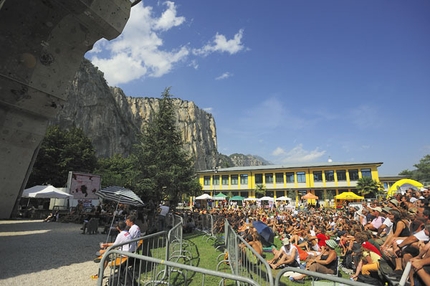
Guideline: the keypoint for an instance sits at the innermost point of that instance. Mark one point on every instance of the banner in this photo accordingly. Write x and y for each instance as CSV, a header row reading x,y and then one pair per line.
x,y
83,186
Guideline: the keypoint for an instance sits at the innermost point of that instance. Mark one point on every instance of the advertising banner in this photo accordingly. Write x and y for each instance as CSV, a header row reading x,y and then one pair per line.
x,y
83,186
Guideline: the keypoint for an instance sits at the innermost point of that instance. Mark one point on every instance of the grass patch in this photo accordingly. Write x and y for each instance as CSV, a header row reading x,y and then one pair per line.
x,y
201,252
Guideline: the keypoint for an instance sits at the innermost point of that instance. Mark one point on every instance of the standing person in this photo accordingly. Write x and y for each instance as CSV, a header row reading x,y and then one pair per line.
x,y
164,210
134,231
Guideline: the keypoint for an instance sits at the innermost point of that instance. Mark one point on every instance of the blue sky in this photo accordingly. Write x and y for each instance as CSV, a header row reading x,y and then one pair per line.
x,y
291,81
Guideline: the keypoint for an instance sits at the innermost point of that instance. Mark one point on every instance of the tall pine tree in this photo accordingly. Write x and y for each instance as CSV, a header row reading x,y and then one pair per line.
x,y
166,169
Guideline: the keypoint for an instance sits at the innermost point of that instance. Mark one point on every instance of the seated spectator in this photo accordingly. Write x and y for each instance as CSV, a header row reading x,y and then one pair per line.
x,y
369,262
287,255
122,237
325,263
189,226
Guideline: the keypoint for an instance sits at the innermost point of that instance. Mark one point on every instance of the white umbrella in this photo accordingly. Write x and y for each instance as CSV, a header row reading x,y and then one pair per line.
x,y
120,195
48,191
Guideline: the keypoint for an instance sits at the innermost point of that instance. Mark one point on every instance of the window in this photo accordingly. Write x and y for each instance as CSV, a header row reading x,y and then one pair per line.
x,y
290,177
258,178
317,176
224,179
216,180
280,194
207,180
353,175
341,175
301,178
279,177
269,178
234,179
366,173
243,179
329,176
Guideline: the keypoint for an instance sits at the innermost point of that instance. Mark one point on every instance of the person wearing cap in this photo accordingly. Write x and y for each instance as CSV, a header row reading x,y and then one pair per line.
x,y
325,263
377,221
288,255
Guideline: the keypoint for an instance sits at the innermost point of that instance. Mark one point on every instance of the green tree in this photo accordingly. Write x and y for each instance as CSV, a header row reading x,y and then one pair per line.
x,y
166,171
422,171
366,186
62,151
260,190
117,171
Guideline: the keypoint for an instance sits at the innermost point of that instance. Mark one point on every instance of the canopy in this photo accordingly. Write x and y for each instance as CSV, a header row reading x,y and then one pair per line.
x,y
204,197
309,196
267,199
404,184
251,199
219,197
237,198
48,191
348,196
120,195
283,198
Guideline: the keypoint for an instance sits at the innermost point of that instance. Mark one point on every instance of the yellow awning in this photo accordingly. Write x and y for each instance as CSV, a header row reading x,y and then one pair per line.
x,y
348,196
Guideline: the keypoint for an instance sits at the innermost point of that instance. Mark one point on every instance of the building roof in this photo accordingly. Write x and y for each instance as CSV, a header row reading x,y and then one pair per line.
x,y
291,166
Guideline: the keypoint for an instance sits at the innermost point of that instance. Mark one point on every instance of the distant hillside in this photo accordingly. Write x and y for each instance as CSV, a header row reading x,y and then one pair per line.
x,y
241,160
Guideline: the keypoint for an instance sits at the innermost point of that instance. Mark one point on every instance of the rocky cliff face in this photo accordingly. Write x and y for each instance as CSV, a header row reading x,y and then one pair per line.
x,y
112,120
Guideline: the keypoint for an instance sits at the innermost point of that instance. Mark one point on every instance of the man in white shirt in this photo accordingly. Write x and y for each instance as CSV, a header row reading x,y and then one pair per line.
x,y
134,231
122,237
287,255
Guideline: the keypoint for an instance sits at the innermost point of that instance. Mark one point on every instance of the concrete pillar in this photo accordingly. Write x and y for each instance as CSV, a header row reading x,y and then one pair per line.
x,y
41,46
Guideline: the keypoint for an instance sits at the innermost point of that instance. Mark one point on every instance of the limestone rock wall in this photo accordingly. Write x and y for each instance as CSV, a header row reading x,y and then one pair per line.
x,y
112,120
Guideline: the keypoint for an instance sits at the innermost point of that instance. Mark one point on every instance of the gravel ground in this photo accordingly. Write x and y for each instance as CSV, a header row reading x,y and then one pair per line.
x,y
38,253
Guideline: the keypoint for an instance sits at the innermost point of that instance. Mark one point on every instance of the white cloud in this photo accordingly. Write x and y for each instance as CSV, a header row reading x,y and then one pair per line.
x,y
297,155
140,51
168,19
221,44
224,76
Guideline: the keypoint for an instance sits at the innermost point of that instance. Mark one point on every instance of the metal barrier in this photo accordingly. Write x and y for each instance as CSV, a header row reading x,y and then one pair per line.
x,y
206,276
316,276
243,260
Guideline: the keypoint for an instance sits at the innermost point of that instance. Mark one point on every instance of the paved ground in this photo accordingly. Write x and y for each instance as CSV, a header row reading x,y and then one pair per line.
x,y
37,253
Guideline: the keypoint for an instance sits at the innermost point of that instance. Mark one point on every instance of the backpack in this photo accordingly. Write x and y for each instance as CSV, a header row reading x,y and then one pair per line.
x,y
369,280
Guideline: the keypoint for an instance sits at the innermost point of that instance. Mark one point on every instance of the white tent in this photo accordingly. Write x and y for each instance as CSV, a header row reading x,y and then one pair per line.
x,y
283,198
270,199
48,191
204,197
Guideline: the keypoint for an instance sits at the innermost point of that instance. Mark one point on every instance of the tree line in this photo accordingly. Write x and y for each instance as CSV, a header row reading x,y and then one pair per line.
x,y
158,168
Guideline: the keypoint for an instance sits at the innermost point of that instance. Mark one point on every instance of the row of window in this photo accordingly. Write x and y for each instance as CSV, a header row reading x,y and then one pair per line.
x,y
290,177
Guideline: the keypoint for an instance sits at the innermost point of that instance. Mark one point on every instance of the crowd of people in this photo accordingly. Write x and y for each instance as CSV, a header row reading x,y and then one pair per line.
x,y
391,231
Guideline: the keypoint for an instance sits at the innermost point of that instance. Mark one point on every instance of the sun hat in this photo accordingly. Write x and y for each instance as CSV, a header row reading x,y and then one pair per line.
x,y
286,241
387,210
331,243
377,209
413,200
394,202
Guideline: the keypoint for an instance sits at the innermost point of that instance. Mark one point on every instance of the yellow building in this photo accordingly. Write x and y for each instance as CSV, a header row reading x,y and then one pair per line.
x,y
325,180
